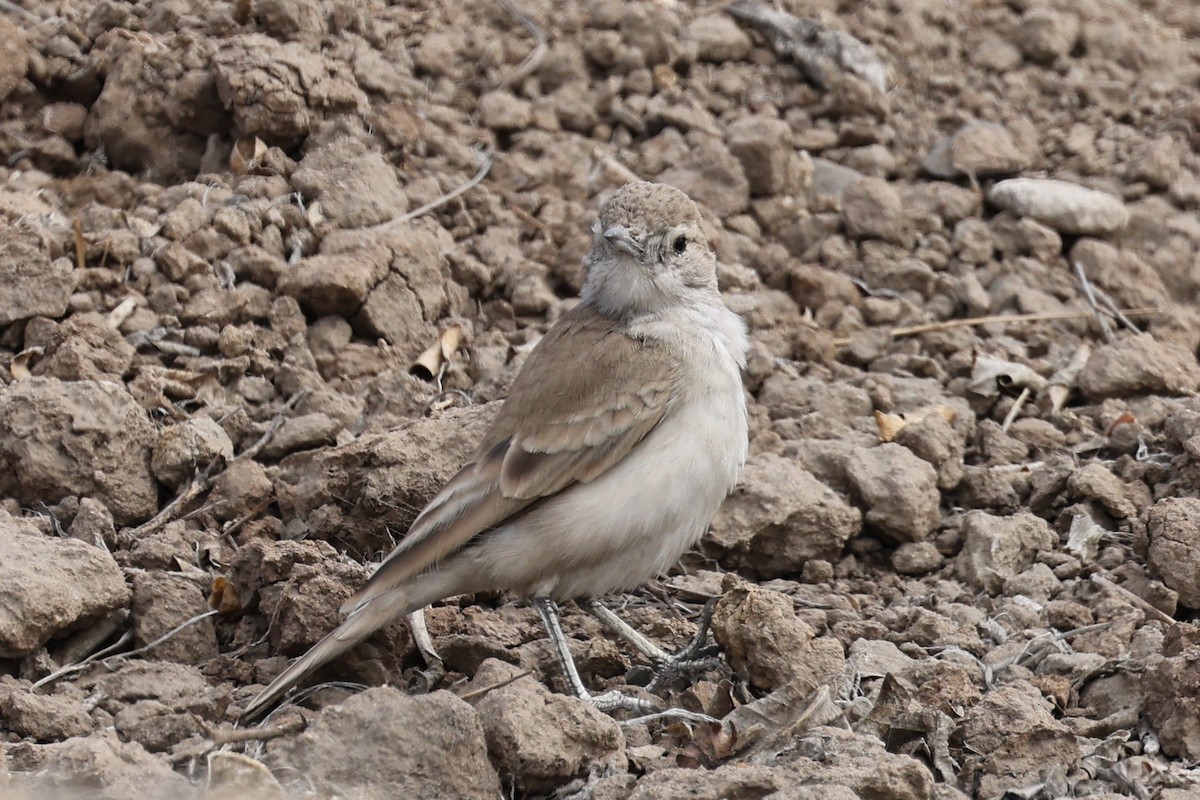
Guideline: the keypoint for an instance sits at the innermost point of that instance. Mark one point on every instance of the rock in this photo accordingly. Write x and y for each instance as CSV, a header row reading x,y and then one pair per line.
x,y
242,487
155,726
1171,705
295,20
31,285
41,717
1095,482
931,438
93,524
280,91
916,558
713,178
1014,732
758,631
540,740
175,687
871,209
383,743
897,490
764,147
1045,35
181,450
780,516
161,602
1065,207
978,148
357,187
1139,365
14,58
825,763
77,438
51,586
718,38
234,776
502,111
1173,526
157,105
105,768
335,283
997,548
86,347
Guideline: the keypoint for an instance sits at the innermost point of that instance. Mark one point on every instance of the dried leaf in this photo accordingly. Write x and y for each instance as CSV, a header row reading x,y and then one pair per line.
x,y
1083,538
1063,381
19,366
80,244
224,597
429,364
891,424
991,376
778,717
247,155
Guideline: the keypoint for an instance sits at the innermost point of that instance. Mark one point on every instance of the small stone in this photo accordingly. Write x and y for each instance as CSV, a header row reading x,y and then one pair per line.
x,y
383,743
1096,482
357,187
780,517
764,146
758,631
51,586
997,548
503,111
718,38
978,148
234,776
871,209
1014,731
31,285
916,558
162,602
183,449
1171,705
1139,365
103,767
1066,207
14,57
712,177
1173,526
1045,36
60,438
540,740
897,489
44,718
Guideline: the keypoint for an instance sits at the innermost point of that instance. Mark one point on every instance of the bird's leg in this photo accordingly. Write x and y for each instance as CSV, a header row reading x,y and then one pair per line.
x,y
695,658
434,670
609,701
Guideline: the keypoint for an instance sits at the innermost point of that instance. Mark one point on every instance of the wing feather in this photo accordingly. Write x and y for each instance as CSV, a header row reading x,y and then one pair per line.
x,y
559,426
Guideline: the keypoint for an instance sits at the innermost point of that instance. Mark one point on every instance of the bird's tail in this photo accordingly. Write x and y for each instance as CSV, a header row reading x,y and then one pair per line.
x,y
367,618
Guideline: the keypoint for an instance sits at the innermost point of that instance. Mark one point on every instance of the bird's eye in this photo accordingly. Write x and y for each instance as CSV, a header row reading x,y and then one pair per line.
x,y
679,245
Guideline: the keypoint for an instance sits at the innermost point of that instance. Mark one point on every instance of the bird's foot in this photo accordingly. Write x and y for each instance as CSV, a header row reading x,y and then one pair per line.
x,y
696,658
612,701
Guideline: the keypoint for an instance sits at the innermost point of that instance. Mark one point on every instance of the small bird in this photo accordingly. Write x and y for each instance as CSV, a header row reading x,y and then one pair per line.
x,y
620,437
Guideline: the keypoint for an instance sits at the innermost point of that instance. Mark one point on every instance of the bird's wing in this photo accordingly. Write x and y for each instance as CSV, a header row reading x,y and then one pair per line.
x,y
587,394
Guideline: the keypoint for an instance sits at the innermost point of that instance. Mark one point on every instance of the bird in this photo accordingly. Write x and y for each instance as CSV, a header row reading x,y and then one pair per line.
x,y
621,435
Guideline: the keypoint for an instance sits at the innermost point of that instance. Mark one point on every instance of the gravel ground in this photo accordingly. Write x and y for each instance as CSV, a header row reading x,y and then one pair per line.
x,y
265,265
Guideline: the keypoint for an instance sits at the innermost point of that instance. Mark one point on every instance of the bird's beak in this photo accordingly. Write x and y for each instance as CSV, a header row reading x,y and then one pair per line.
x,y
620,237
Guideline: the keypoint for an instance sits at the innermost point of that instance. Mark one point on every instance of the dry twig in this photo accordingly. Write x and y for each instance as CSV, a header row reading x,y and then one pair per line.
x,y
532,61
